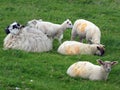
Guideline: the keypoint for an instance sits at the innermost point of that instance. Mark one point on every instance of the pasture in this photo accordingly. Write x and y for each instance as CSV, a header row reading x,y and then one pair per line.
x,y
22,70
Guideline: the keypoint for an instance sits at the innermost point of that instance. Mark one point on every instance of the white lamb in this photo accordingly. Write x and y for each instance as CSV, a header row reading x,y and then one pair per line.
x,y
87,70
27,39
74,48
55,31
86,29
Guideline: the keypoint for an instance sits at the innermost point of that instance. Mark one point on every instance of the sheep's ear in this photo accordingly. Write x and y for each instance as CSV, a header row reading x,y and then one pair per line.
x,y
98,47
102,45
114,63
100,62
7,30
34,22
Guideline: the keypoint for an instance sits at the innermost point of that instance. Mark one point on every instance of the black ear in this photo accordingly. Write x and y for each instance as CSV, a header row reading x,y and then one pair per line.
x,y
114,62
100,62
18,24
34,22
7,30
98,47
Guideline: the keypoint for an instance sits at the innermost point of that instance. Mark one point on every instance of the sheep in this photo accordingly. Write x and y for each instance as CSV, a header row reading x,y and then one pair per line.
x,y
55,31
27,39
87,70
75,48
86,29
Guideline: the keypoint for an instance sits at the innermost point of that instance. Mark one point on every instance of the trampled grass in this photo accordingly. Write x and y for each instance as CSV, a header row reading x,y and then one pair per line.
x,y
47,71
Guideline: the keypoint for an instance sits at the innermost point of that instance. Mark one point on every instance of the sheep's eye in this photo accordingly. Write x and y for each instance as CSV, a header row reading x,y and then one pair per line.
x,y
67,22
14,26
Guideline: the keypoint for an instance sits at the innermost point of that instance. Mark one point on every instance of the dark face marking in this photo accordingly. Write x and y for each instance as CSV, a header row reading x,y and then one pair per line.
x,y
101,49
16,26
12,26
7,30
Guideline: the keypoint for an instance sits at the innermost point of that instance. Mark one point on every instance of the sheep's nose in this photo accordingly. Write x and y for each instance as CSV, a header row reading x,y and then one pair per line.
x,y
109,69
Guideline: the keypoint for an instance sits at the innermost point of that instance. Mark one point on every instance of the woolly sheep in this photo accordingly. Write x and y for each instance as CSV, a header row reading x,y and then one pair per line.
x,y
55,31
86,29
87,70
74,48
27,39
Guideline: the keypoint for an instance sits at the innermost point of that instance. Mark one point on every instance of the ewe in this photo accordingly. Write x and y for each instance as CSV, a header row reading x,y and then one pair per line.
x,y
54,31
74,48
87,70
27,39
86,29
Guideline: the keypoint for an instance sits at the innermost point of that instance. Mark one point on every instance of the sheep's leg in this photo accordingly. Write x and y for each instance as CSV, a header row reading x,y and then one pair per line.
x,y
81,39
73,35
89,41
60,39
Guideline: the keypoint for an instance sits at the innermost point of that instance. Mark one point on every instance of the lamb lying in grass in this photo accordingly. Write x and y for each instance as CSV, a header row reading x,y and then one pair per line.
x,y
27,39
55,31
87,70
74,48
86,29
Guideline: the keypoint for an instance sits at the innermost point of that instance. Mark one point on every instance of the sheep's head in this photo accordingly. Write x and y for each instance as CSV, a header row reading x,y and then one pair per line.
x,y
107,64
100,49
13,28
69,23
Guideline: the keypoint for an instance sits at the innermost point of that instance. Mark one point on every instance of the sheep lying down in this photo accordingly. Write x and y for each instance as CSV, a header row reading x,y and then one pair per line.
x,y
87,70
74,48
27,39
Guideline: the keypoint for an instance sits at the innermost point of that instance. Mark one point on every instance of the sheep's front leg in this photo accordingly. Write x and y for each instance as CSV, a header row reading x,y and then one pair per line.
x,y
60,39
73,35
81,39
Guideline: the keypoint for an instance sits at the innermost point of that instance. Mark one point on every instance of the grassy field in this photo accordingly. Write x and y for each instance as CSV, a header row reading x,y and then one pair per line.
x,y
47,71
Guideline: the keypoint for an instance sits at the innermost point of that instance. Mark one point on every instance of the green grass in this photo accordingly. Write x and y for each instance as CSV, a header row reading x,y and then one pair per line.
x,y
48,70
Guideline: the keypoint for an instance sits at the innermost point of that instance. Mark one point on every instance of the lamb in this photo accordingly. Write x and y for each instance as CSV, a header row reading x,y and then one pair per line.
x,y
55,31
87,70
75,48
27,39
86,29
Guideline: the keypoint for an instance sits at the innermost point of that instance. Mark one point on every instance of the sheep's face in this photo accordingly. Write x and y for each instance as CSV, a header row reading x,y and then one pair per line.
x,y
13,28
107,65
69,23
100,50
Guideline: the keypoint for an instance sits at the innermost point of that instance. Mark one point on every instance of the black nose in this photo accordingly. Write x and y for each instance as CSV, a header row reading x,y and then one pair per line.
x,y
102,53
109,70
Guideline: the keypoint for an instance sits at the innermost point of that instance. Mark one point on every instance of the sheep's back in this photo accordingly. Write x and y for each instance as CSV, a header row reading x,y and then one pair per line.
x,y
30,40
82,26
69,48
80,69
74,48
